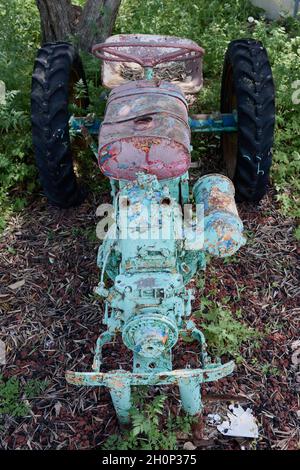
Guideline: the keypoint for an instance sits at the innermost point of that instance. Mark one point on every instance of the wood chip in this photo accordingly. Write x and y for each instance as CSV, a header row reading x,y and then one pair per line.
x,y
17,285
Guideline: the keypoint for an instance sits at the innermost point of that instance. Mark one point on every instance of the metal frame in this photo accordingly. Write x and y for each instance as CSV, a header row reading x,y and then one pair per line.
x,y
119,382
153,366
200,123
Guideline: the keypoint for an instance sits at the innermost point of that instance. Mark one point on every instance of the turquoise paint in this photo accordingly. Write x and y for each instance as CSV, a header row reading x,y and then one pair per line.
x,y
120,392
223,229
189,389
210,373
214,123
149,73
92,125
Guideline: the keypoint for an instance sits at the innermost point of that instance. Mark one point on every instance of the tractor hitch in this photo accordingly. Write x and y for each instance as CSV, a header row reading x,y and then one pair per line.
x,y
119,382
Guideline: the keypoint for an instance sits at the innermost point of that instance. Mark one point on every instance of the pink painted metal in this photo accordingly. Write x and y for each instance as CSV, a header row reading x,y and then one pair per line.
x,y
145,129
118,52
113,54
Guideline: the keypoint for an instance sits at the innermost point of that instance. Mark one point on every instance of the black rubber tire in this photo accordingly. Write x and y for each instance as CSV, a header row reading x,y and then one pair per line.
x,y
248,88
57,68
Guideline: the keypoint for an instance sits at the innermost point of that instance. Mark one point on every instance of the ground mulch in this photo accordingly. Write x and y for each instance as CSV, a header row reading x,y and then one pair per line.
x,y
51,322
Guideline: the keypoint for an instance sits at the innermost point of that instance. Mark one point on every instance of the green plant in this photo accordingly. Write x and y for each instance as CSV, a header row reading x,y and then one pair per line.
x,y
223,332
231,260
19,37
297,233
16,168
149,430
13,394
266,369
10,402
34,387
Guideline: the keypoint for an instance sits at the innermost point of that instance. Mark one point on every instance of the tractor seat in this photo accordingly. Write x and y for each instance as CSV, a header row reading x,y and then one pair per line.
x,y
145,129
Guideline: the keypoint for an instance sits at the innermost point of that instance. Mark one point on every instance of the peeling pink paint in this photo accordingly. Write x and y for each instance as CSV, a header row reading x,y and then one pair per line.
x,y
145,130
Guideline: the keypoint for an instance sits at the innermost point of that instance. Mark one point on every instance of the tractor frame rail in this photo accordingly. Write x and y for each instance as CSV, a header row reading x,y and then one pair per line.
x,y
203,123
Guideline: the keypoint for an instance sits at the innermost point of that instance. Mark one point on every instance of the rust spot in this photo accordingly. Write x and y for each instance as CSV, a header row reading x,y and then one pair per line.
x,y
125,202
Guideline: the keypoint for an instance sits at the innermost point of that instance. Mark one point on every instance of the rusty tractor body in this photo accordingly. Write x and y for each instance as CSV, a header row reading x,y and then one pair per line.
x,y
154,252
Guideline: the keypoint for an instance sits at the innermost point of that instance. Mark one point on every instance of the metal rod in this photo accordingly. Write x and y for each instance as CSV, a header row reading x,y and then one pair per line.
x,y
213,123
121,398
190,395
148,73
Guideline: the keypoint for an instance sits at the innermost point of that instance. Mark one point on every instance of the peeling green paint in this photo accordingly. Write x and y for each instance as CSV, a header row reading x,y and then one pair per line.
x,y
149,303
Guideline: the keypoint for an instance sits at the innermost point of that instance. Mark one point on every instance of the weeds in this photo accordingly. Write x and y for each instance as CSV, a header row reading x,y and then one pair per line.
x,y
150,429
223,331
13,395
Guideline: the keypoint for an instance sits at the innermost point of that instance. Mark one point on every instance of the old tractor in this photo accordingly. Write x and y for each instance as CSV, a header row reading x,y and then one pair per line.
x,y
157,243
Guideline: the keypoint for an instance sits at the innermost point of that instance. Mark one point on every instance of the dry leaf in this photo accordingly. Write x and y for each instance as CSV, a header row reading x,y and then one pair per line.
x,y
296,345
240,423
57,407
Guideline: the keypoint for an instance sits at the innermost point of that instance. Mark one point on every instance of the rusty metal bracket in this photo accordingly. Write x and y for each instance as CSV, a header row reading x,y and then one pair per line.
x,y
119,382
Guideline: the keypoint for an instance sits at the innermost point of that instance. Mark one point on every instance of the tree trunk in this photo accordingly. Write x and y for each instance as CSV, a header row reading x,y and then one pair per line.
x,y
97,22
56,19
62,21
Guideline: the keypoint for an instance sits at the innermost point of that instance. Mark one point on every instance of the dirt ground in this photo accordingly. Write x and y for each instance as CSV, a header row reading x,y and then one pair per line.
x,y
51,322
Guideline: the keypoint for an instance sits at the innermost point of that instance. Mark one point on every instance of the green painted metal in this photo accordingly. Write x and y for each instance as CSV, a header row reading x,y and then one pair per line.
x,y
91,123
189,389
223,229
87,127
120,393
148,73
116,379
119,382
213,123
